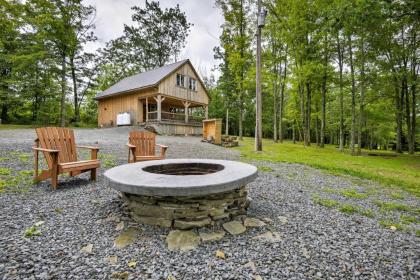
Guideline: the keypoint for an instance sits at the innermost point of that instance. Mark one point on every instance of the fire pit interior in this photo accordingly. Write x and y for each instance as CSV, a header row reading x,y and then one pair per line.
x,y
183,193
193,168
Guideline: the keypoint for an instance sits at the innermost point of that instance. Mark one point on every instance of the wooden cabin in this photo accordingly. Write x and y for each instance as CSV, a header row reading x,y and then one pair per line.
x,y
172,98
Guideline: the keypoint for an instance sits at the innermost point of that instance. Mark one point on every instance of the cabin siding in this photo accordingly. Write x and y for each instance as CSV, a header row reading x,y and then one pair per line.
x,y
168,86
109,108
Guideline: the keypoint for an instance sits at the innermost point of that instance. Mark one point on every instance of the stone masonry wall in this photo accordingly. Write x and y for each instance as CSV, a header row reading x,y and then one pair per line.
x,y
186,212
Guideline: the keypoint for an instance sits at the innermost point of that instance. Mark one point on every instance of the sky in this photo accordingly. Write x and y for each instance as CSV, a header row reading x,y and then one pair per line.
x,y
111,15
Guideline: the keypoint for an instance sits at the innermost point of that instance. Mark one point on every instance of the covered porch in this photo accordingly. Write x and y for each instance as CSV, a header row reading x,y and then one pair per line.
x,y
162,108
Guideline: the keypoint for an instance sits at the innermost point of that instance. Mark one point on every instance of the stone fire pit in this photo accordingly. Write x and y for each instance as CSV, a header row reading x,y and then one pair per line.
x,y
183,193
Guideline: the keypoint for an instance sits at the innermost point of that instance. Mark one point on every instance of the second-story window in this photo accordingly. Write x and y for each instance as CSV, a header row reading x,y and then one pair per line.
x,y
192,84
180,80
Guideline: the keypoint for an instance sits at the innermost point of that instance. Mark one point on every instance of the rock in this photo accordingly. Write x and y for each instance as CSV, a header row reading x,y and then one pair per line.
x,y
181,224
112,218
268,236
305,253
152,221
257,277
220,254
38,224
217,212
132,264
120,275
253,222
126,238
120,226
182,240
251,265
151,210
234,227
87,249
112,260
283,220
212,236
267,220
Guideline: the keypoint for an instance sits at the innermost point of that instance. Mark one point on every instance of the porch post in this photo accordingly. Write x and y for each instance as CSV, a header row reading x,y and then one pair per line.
x,y
147,109
206,112
186,105
159,101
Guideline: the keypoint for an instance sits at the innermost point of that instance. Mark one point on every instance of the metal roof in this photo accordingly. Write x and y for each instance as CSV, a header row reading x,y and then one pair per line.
x,y
141,80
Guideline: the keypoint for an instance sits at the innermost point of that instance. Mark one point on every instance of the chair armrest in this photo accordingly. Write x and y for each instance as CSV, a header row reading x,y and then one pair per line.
x,y
130,146
88,147
163,149
45,150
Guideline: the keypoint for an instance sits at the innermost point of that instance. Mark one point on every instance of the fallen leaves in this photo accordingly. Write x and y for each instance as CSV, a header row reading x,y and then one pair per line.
x,y
87,249
132,264
220,254
120,226
112,260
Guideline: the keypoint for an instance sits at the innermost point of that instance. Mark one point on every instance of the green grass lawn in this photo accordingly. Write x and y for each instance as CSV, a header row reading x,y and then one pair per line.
x,y
26,126
401,171
15,126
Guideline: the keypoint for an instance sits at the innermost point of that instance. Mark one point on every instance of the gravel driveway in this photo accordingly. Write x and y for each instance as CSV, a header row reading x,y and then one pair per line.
x,y
316,242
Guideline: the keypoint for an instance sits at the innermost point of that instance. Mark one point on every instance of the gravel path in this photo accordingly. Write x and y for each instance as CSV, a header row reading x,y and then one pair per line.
x,y
317,242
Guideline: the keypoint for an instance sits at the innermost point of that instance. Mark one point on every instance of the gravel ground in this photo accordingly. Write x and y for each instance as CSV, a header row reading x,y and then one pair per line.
x,y
316,242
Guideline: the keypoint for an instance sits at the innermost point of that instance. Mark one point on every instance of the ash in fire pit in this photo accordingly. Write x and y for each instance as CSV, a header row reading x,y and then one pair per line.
x,y
184,168
183,193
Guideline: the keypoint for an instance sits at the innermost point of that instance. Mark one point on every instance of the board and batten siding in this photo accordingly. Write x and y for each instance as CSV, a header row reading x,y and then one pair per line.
x,y
109,108
168,86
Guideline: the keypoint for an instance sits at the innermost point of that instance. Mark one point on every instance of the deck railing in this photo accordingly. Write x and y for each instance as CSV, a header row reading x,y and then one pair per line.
x,y
175,117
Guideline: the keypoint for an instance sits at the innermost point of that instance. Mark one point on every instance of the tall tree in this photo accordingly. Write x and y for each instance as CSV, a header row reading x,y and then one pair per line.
x,y
237,48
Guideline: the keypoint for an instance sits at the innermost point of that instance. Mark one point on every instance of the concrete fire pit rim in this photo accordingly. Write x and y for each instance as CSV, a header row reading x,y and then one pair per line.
x,y
131,178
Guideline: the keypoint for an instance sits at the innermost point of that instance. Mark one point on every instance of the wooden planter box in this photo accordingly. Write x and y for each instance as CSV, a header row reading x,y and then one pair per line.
x,y
212,131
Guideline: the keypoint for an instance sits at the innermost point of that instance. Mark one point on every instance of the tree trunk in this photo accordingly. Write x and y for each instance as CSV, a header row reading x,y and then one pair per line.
x,y
413,118
293,134
63,91
275,107
323,103
308,114
413,88
75,97
362,97
353,99
324,94
302,111
282,87
240,122
227,122
340,67
398,119
407,114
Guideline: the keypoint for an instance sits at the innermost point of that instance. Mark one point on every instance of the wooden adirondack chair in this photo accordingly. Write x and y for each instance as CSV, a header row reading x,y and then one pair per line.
x,y
141,146
59,149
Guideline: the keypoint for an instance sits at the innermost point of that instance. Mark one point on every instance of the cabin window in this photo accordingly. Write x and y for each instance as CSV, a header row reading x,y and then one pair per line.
x,y
192,84
180,80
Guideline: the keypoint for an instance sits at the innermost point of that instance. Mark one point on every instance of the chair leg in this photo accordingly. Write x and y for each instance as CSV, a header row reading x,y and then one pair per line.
x,y
36,166
54,171
93,174
54,178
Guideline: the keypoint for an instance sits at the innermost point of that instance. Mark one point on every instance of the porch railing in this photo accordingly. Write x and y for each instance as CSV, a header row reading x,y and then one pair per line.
x,y
175,117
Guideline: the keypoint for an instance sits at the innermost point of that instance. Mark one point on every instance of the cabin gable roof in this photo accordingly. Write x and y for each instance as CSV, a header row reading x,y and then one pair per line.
x,y
146,79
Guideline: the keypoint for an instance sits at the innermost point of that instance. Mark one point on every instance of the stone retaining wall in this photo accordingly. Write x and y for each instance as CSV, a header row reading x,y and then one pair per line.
x,y
186,212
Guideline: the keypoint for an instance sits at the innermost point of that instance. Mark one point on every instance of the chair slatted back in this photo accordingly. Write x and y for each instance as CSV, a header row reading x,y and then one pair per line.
x,y
57,138
144,142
